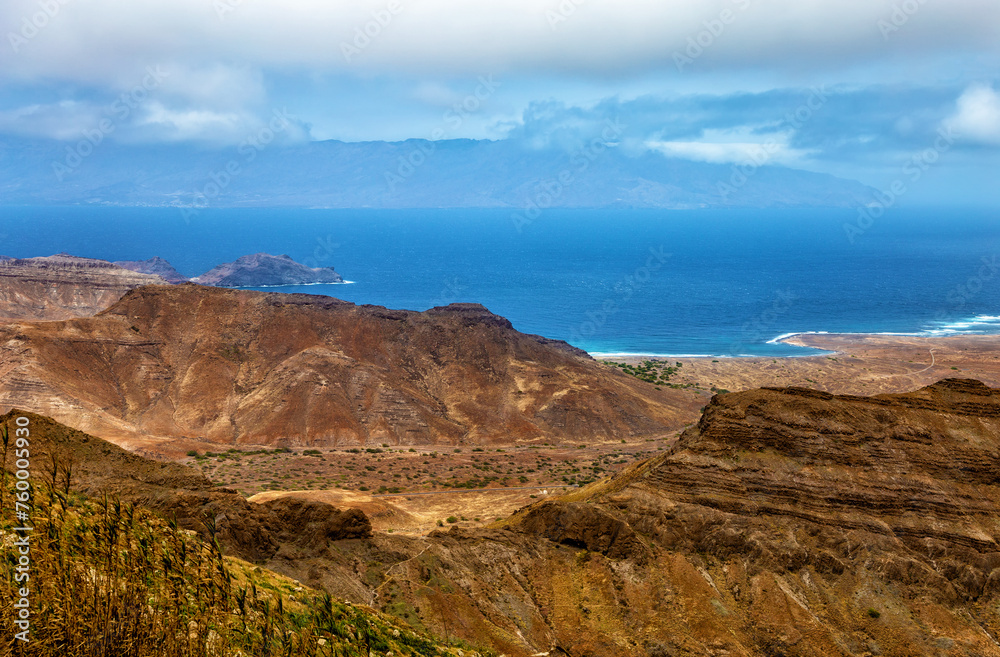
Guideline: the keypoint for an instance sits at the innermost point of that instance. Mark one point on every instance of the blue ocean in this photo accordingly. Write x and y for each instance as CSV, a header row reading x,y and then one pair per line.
x,y
700,282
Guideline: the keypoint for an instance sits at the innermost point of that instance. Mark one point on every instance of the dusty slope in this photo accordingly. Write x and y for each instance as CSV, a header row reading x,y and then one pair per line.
x,y
63,286
789,522
256,532
240,367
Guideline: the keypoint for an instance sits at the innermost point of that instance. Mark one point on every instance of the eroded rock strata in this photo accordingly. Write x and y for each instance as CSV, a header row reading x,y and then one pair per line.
x,y
63,286
788,522
241,367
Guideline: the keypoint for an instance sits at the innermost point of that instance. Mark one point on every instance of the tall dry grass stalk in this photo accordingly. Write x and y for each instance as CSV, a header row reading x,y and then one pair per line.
x,y
113,580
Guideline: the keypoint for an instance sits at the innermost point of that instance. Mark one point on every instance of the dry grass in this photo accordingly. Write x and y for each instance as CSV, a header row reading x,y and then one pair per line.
x,y
109,579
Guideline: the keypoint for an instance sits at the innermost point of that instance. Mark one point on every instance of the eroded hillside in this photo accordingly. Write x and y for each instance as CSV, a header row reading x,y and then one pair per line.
x,y
240,367
787,522
63,286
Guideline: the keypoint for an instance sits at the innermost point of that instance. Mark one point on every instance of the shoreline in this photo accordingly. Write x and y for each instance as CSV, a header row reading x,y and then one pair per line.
x,y
802,339
849,363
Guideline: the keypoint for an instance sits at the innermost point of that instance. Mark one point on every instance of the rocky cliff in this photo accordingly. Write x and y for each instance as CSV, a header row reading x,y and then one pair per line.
x,y
156,266
247,367
63,286
788,522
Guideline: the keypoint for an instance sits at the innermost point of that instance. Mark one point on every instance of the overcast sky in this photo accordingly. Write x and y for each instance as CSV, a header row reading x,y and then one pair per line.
x,y
853,87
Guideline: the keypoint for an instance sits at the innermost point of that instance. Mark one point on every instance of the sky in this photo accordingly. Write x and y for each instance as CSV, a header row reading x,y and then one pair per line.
x,y
873,90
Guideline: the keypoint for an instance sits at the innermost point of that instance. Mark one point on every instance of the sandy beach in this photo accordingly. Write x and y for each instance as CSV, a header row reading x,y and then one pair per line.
x,y
862,364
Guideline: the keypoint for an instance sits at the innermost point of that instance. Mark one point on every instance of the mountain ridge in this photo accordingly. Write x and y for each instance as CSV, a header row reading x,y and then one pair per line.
x,y
415,173
240,367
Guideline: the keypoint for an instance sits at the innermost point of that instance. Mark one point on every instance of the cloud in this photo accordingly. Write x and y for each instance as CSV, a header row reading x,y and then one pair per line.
x,y
977,118
64,120
816,124
728,146
102,39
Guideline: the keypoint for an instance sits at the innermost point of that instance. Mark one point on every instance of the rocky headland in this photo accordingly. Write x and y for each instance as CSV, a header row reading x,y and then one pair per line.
x,y
156,266
63,286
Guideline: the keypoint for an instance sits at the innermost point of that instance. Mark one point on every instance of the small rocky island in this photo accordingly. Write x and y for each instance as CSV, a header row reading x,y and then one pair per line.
x,y
265,270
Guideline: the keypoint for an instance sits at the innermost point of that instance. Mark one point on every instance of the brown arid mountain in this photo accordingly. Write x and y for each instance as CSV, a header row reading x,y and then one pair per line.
x,y
173,363
63,286
788,522
107,576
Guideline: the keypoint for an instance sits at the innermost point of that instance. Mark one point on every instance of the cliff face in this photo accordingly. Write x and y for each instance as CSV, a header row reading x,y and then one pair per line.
x,y
248,367
63,286
156,266
788,522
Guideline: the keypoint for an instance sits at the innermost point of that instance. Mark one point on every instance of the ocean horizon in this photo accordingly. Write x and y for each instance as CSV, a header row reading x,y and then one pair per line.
x,y
717,283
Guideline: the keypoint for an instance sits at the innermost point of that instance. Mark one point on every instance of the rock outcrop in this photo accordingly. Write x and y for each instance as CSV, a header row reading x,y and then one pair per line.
x,y
788,522
243,367
63,286
264,270
156,266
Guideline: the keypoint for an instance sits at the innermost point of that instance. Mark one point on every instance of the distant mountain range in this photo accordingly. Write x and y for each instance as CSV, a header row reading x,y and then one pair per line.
x,y
409,174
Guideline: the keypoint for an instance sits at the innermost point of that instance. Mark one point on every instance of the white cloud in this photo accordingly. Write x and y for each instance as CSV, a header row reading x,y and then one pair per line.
x,y
188,124
977,118
101,39
65,120
734,145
